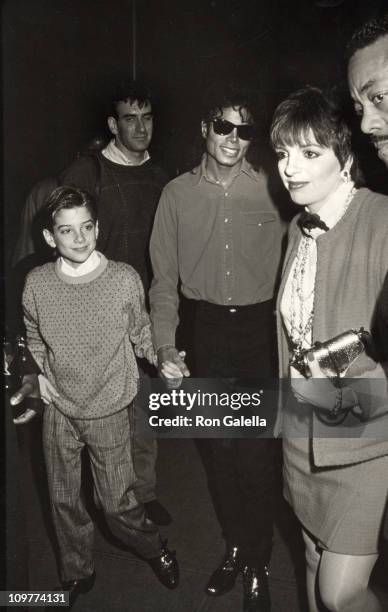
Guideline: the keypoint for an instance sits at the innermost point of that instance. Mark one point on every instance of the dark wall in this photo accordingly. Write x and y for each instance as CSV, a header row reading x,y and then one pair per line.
x,y
61,58
273,45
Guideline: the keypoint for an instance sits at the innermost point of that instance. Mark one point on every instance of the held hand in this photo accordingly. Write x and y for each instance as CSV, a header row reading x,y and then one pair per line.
x,y
170,370
29,389
171,366
47,391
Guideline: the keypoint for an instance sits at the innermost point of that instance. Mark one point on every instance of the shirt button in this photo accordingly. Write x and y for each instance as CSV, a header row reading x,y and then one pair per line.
x,y
259,224
226,246
226,219
228,273
229,299
226,194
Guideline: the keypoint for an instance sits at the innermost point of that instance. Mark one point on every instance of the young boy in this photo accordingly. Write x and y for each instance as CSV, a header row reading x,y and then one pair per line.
x,y
82,315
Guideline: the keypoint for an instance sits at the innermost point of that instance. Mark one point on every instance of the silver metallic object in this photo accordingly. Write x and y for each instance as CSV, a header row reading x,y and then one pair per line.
x,y
334,356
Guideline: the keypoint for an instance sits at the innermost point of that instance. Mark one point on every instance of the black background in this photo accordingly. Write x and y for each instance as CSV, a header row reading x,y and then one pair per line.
x,y
62,57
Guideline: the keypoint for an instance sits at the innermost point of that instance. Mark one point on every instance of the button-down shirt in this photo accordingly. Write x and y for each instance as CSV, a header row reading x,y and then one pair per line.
x,y
224,244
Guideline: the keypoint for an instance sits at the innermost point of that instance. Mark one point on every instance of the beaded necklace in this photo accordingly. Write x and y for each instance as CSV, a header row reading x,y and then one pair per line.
x,y
300,330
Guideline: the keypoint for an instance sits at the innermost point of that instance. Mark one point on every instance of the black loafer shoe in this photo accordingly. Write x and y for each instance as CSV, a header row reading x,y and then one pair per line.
x,y
166,567
78,586
256,591
224,578
157,513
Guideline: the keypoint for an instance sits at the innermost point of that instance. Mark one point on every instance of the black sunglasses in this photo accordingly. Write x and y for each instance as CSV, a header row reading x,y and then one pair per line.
x,y
223,127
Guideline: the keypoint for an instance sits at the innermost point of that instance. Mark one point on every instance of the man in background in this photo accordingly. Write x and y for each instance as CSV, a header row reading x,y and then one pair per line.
x,y
129,185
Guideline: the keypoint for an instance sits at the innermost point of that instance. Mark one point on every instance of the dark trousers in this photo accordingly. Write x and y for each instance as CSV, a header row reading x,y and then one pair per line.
x,y
239,342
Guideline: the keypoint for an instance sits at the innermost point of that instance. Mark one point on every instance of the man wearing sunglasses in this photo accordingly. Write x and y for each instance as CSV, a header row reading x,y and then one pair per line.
x,y
218,232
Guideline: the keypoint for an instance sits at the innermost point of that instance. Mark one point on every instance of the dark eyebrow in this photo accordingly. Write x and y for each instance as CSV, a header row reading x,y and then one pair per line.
x,y
231,122
131,115
70,225
367,85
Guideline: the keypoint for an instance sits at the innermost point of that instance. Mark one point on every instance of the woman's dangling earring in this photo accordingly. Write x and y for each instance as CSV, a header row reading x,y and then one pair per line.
x,y
345,175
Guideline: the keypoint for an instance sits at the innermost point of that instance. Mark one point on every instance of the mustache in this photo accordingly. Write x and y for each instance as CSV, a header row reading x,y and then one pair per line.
x,y
376,139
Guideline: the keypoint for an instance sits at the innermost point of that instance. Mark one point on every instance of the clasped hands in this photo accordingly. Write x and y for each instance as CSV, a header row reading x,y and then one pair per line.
x,y
171,366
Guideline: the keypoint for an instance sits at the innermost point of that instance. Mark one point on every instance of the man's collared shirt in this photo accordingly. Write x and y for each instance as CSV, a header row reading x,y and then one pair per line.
x,y
113,153
224,244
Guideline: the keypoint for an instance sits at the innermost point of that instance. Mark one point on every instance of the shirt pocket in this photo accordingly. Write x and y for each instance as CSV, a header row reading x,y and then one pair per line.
x,y
258,233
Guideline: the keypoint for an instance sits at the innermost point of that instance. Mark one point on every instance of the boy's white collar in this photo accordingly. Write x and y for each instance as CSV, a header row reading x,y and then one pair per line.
x,y
92,262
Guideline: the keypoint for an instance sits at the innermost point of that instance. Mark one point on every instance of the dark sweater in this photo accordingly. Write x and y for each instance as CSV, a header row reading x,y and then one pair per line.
x,y
126,207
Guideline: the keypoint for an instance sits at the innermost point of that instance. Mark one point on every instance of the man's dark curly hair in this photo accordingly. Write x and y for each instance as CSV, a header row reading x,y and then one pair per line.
x,y
227,94
367,34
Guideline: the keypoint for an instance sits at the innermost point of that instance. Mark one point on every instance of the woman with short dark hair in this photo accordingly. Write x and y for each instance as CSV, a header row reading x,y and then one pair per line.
x,y
336,475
